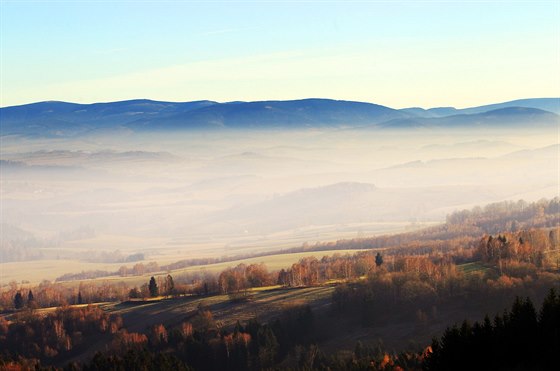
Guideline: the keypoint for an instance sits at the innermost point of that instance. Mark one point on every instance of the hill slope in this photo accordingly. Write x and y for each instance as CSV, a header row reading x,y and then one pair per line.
x,y
545,104
504,117
69,119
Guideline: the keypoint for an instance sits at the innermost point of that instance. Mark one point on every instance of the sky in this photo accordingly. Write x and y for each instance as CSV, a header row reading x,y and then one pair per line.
x,y
395,53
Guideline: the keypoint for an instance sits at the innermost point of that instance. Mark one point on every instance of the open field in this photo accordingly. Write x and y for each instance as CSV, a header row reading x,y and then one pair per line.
x,y
262,304
33,272
36,271
470,268
273,262
164,251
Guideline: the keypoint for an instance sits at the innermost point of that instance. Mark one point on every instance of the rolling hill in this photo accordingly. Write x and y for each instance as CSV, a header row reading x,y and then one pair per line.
x,y
545,104
71,119
509,117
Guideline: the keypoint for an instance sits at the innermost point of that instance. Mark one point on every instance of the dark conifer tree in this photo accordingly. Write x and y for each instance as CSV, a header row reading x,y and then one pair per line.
x,y
30,297
18,300
154,291
549,328
378,259
518,340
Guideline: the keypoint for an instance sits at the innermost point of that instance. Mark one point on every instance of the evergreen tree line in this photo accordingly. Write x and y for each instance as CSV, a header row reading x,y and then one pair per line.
x,y
519,339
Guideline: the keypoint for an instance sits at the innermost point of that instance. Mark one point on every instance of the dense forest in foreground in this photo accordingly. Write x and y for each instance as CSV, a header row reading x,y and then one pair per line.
x,y
464,275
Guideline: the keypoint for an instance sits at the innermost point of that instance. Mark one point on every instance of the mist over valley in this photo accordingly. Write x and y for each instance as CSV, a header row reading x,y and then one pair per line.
x,y
169,181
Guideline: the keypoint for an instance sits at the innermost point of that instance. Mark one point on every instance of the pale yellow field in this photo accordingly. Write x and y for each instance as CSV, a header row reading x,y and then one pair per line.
x,y
164,251
36,271
273,262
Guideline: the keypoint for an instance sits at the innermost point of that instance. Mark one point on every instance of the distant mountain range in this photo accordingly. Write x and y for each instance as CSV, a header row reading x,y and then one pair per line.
x,y
502,117
545,104
66,119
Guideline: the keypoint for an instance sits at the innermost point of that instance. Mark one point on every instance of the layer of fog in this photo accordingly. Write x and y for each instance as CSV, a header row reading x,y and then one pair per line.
x,y
180,195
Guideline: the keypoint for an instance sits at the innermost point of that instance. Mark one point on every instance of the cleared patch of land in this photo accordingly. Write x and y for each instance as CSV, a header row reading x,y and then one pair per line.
x,y
474,267
262,304
273,262
35,271
165,251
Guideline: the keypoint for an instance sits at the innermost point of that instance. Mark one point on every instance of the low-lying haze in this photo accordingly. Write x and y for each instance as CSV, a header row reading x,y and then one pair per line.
x,y
120,194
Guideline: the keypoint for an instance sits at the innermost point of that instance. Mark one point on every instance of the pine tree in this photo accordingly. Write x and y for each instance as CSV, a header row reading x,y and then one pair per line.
x,y
80,300
549,328
30,298
18,300
154,291
378,259
518,340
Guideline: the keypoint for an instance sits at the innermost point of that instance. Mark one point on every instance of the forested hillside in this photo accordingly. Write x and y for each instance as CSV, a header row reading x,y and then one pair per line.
x,y
407,287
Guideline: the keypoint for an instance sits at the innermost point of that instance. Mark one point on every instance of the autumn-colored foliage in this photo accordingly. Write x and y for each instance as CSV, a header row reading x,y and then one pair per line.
x,y
45,337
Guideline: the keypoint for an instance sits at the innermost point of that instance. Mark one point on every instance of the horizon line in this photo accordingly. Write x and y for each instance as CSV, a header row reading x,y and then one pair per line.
x,y
265,100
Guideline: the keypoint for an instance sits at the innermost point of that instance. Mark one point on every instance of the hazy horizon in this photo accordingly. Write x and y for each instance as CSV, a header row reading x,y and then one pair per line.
x,y
293,99
257,185
182,194
176,182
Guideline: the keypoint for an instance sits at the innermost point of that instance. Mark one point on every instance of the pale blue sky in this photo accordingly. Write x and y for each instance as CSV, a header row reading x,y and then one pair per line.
x,y
396,53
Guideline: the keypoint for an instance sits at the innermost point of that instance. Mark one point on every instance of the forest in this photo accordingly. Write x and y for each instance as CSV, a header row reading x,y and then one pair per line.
x,y
469,283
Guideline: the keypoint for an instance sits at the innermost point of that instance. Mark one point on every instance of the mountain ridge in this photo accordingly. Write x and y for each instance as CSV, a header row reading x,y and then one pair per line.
x,y
56,118
510,116
545,104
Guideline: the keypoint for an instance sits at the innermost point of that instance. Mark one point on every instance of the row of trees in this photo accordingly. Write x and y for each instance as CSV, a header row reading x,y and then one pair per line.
x,y
166,287
519,339
311,271
510,216
19,302
48,294
244,276
307,272
462,227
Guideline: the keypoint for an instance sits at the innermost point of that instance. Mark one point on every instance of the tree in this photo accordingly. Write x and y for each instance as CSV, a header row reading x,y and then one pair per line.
x,y
154,291
80,300
158,335
30,298
18,300
144,290
134,293
283,278
378,260
487,346
169,285
549,328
